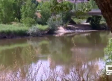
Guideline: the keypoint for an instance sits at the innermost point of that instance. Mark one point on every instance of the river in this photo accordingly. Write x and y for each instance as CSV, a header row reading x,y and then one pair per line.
x,y
67,58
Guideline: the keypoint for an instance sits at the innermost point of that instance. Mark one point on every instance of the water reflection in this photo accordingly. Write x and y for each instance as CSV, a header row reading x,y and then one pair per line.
x,y
67,58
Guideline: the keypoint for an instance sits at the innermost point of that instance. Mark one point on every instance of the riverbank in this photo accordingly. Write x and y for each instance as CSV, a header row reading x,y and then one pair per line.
x,y
9,31
78,28
12,31
20,31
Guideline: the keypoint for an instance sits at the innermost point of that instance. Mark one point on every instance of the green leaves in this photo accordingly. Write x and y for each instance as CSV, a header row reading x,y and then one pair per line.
x,y
44,11
61,7
6,11
54,22
82,8
108,52
28,13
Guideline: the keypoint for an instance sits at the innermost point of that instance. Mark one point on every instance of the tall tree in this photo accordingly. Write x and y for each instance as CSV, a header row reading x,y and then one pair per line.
x,y
106,9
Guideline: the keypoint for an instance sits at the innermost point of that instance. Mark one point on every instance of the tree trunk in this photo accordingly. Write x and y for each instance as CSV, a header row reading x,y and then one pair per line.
x,y
106,8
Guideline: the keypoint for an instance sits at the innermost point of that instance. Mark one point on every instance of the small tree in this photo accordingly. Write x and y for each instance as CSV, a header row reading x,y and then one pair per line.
x,y
45,12
28,13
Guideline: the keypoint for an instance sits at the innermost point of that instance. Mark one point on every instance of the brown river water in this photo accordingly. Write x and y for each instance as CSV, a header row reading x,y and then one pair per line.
x,y
67,58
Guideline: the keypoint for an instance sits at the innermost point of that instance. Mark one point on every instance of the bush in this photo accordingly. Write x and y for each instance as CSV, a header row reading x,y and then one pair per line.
x,y
34,31
45,12
28,21
54,22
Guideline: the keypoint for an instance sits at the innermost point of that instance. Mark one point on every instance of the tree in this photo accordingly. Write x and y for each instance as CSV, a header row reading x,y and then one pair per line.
x,y
45,12
106,8
17,5
28,13
6,11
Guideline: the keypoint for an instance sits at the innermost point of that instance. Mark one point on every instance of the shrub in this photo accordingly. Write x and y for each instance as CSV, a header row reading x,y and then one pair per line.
x,y
54,22
34,31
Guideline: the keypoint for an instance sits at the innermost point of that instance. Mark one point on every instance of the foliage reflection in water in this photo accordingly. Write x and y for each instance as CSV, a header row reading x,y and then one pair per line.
x,y
68,58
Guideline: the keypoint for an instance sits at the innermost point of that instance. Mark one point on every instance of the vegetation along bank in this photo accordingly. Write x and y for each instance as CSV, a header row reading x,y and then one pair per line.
x,y
37,18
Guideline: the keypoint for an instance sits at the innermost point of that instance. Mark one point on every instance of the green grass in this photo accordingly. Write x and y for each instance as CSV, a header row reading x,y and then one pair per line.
x,y
18,29
78,21
42,27
13,29
102,21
